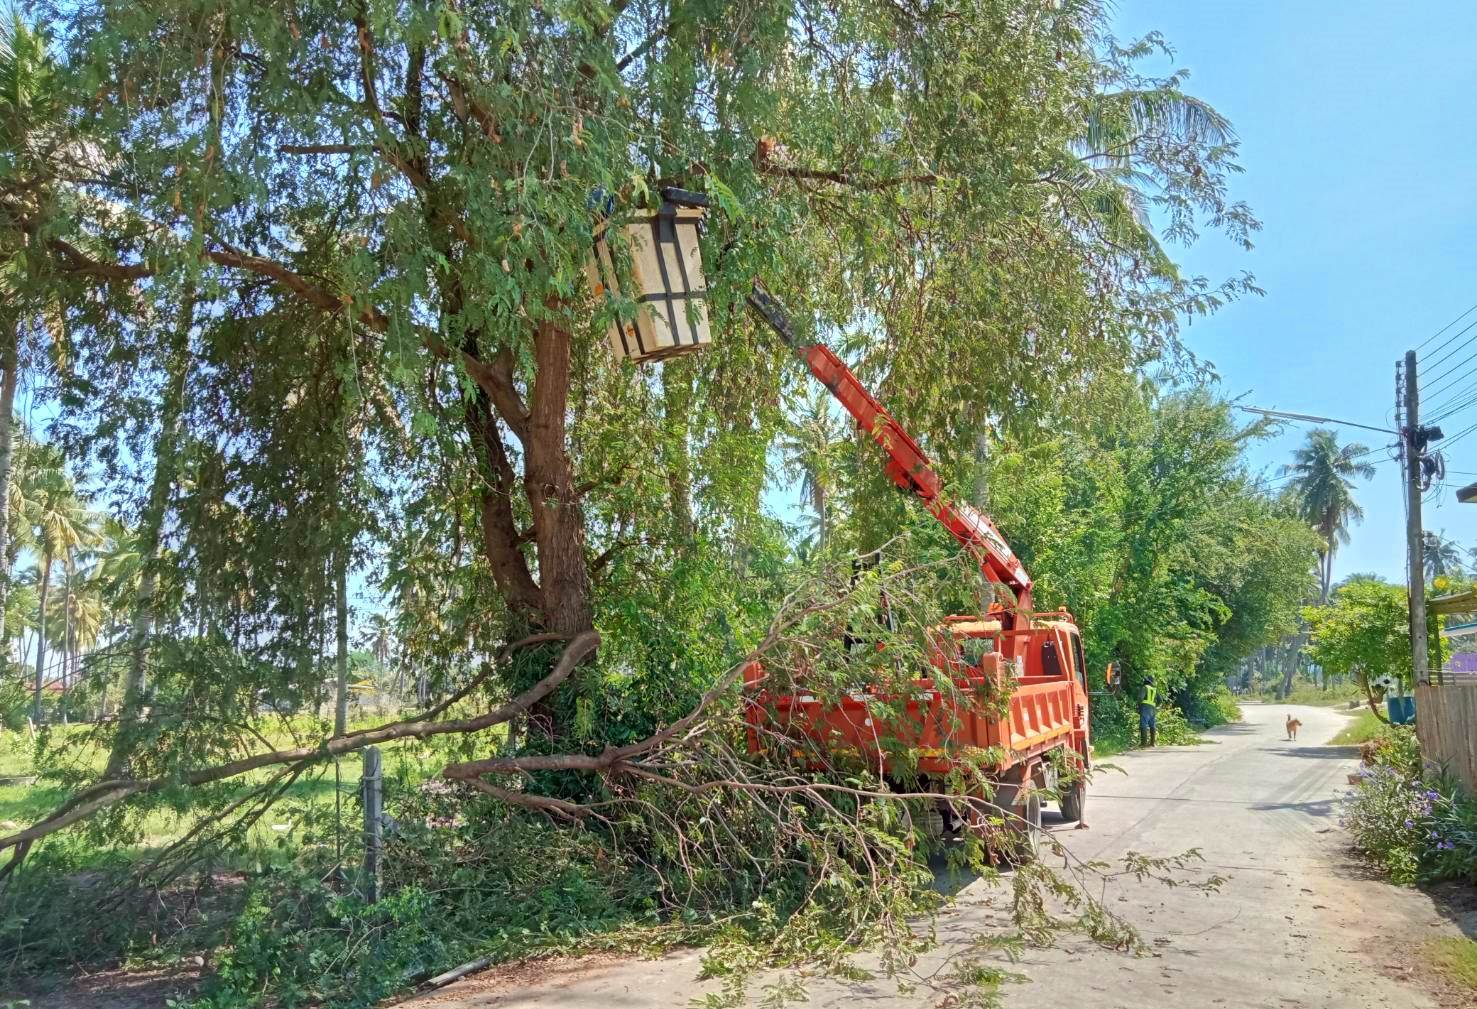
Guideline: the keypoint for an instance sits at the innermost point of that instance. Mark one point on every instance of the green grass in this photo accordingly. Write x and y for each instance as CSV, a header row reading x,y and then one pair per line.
x,y
1456,958
22,804
1313,696
1361,729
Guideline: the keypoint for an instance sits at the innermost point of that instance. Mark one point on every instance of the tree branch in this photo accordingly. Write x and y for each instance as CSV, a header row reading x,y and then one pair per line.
x,y
107,793
847,179
645,46
325,148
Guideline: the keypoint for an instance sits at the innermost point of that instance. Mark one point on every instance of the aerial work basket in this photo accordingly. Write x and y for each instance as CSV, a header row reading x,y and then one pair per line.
x,y
670,290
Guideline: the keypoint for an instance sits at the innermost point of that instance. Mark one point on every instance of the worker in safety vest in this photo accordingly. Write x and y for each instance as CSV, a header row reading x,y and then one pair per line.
x,y
1148,712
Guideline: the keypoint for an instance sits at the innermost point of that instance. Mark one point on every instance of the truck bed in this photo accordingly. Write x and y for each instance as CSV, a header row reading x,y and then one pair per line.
x,y
941,726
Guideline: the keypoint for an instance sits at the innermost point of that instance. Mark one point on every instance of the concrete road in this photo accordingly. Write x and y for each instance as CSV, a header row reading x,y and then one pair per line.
x,y
1297,925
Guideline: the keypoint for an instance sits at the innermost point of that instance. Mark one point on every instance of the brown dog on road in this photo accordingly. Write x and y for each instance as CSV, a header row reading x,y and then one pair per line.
x,y
1292,728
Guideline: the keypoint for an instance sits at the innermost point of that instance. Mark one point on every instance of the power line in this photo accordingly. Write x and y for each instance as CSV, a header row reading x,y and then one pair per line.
x,y
1283,478
1458,394
1452,353
1456,405
1284,415
1458,437
1454,350
1444,328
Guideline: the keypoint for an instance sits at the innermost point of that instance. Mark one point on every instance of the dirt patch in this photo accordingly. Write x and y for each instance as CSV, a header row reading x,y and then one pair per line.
x,y
551,973
116,989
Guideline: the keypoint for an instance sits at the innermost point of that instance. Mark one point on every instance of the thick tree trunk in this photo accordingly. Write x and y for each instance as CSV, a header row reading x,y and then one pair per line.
x,y
1289,669
558,520
559,600
500,536
41,638
10,362
341,620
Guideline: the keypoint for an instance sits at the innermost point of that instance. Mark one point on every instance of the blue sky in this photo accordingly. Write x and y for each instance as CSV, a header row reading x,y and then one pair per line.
x,y
1359,139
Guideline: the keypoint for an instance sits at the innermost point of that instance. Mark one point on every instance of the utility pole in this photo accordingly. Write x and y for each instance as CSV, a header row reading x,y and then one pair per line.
x,y
1412,446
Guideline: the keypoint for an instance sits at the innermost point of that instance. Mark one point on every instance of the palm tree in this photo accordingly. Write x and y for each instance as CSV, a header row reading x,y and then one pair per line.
x,y
1443,556
31,111
1324,475
61,524
78,623
807,450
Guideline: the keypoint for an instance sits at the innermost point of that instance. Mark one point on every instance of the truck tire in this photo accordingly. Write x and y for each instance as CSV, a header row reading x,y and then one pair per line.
x,y
1027,830
1074,800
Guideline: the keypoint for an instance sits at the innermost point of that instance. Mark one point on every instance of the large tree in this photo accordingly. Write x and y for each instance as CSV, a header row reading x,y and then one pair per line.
x,y
1324,473
323,278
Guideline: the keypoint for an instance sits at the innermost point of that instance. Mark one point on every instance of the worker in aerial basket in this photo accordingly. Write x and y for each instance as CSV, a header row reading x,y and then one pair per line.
x,y
1148,714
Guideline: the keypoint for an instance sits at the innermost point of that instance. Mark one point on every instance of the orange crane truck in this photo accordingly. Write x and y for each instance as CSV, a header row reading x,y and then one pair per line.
x,y
1035,657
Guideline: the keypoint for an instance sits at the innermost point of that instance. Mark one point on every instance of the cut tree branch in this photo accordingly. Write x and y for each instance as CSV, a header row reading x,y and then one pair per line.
x,y
107,793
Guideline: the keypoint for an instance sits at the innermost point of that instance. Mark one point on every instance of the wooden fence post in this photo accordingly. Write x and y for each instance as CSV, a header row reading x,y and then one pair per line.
x,y
372,784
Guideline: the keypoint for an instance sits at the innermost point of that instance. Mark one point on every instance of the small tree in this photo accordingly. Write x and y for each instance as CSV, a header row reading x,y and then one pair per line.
x,y
1364,631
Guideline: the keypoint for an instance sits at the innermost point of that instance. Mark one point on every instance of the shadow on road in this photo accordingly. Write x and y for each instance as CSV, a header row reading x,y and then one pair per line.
x,y
1234,729
949,880
1457,902
1317,752
1319,808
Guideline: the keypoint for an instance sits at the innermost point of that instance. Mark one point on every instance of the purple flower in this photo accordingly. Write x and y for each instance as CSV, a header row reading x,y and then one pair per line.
x,y
1433,794
1409,823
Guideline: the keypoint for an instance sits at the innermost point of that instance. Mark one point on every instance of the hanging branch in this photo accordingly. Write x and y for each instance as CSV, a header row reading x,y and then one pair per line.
x,y
103,794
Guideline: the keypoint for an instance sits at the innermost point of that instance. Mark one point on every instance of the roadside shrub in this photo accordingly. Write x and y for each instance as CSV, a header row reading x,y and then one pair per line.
x,y
1452,849
1174,728
1219,707
1416,824
1115,722
1388,813
308,944
1396,746
460,879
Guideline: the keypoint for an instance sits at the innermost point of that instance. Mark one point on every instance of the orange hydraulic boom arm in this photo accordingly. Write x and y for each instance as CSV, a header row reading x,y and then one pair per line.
x,y
907,464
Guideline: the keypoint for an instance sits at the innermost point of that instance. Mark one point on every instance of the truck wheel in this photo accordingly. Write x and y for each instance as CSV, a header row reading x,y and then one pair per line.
x,y
1022,841
1074,800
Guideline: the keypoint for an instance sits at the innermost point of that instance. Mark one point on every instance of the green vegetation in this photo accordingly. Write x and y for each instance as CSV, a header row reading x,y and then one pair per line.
x,y
326,407
1455,957
1183,578
1363,727
1324,472
1302,692
1409,819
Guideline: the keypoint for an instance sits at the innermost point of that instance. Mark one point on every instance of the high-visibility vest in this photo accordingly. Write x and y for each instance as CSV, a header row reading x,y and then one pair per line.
x,y
1151,694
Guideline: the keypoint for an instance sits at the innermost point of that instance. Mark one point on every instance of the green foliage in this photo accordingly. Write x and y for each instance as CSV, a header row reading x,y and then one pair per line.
x,y
1456,957
1364,631
1408,818
1149,530
1174,728
344,952
1451,843
1362,728
1387,815
1332,696
1218,708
